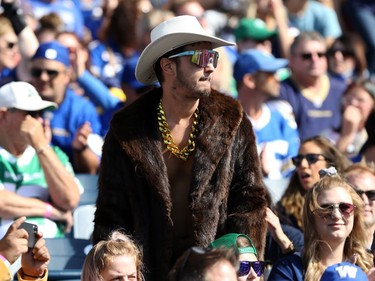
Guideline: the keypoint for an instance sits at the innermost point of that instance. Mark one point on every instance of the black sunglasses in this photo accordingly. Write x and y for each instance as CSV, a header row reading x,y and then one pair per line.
x,y
308,56
369,193
311,158
326,210
37,72
245,267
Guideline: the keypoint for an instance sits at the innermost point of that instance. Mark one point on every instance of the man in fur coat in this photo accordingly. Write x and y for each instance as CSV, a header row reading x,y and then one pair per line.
x,y
179,165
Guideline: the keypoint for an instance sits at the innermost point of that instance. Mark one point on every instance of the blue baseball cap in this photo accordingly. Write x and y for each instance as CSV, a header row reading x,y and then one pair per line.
x,y
53,51
344,271
254,60
128,74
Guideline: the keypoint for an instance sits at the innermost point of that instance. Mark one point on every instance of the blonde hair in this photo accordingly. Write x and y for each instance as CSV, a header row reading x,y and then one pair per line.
x,y
5,26
102,254
355,242
293,198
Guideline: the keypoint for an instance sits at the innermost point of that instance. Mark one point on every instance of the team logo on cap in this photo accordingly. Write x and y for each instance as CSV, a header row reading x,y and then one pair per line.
x,y
51,54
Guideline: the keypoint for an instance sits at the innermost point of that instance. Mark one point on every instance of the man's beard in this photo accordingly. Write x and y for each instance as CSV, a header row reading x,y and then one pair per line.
x,y
193,88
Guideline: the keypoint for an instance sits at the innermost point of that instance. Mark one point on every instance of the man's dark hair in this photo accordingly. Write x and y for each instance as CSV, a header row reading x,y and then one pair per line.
x,y
196,261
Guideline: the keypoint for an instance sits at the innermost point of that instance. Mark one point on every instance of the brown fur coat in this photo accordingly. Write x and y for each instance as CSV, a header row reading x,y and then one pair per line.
x,y
227,193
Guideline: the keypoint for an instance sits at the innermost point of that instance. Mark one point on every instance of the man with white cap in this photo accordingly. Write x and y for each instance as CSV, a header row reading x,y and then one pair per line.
x,y
36,179
179,165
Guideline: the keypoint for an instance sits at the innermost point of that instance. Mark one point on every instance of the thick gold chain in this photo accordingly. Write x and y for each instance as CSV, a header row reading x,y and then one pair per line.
x,y
168,140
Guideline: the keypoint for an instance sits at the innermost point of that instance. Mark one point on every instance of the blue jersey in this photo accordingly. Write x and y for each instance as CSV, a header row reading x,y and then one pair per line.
x,y
276,131
71,114
312,118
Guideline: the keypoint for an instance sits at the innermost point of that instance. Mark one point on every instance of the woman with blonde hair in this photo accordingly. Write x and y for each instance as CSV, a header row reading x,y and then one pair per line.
x,y
315,153
112,259
333,224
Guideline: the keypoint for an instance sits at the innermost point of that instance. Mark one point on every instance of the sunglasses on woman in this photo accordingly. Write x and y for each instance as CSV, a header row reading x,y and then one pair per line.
x,y
326,210
201,58
311,158
257,266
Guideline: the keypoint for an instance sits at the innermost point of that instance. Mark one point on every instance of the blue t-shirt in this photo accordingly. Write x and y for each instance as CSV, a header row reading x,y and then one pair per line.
x,y
287,268
317,17
312,118
71,114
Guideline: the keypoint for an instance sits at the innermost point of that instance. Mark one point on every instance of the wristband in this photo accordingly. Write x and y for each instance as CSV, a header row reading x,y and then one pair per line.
x,y
4,259
48,212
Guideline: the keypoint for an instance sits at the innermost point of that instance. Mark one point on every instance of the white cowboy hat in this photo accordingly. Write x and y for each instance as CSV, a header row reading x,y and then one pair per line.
x,y
168,35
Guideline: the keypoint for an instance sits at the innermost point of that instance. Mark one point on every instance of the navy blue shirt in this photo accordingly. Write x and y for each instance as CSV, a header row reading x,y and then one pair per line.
x,y
288,268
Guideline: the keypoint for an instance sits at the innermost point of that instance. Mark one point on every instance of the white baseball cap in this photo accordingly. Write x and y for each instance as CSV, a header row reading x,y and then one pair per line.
x,y
23,96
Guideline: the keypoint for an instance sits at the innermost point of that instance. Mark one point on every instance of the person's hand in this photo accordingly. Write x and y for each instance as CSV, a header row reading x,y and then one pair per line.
x,y
371,274
33,131
67,217
35,262
351,119
273,224
14,243
80,139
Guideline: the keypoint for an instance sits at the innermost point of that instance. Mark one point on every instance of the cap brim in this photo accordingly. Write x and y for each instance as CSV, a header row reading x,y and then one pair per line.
x,y
144,71
42,105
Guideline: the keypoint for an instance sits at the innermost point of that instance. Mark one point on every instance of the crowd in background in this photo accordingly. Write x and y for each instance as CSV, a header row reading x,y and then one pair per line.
x,y
303,71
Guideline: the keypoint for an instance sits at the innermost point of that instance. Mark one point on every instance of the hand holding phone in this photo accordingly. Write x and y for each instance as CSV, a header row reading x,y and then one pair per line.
x,y
32,230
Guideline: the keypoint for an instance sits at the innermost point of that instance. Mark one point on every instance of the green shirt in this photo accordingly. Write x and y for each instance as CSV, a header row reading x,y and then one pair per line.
x,y
24,176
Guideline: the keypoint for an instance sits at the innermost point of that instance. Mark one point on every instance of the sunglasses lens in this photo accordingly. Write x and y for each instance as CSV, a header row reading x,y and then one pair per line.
x,y
297,160
258,267
35,72
346,208
244,268
312,158
370,195
205,57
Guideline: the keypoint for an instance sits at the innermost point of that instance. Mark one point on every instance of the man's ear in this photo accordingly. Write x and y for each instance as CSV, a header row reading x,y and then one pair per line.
x,y
167,65
3,112
249,81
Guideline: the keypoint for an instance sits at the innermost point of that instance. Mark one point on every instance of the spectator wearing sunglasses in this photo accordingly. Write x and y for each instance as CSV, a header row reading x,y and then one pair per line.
x,y
258,77
333,222
362,178
36,179
250,267
314,96
314,154
358,103
208,181
18,44
75,124
116,258
347,58
205,264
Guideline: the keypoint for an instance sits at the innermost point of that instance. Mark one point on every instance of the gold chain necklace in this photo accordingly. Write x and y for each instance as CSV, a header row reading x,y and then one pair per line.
x,y
168,140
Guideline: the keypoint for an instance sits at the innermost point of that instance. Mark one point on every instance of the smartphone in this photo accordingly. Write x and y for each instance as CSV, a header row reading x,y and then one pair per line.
x,y
32,230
